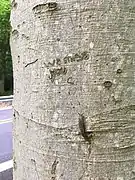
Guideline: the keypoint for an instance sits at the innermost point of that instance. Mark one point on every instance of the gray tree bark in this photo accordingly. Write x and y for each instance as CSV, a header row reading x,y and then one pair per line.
x,y
74,96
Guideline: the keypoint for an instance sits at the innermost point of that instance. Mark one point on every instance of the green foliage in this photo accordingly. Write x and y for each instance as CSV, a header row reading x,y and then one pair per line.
x,y
4,6
5,55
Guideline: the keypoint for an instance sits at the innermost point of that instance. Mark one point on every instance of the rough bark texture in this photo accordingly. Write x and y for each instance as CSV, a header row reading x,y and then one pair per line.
x,y
74,102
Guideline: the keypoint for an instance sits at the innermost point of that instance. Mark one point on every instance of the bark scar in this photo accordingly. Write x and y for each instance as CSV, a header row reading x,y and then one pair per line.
x,y
82,126
31,63
13,4
50,6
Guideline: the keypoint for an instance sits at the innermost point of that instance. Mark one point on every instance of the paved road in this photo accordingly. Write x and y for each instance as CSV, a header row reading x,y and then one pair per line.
x,y
5,144
7,175
6,113
5,141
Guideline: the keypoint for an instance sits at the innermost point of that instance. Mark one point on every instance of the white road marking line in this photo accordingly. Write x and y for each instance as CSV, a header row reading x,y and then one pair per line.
x,y
5,121
7,108
6,165
7,97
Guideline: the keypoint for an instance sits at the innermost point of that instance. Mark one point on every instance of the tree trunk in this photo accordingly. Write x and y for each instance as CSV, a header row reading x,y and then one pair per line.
x,y
74,112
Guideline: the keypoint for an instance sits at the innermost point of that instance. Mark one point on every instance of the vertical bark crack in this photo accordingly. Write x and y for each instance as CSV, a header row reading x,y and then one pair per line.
x,y
35,164
53,170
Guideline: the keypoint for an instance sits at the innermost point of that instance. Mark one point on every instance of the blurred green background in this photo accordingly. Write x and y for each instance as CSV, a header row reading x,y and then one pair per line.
x,y
6,72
